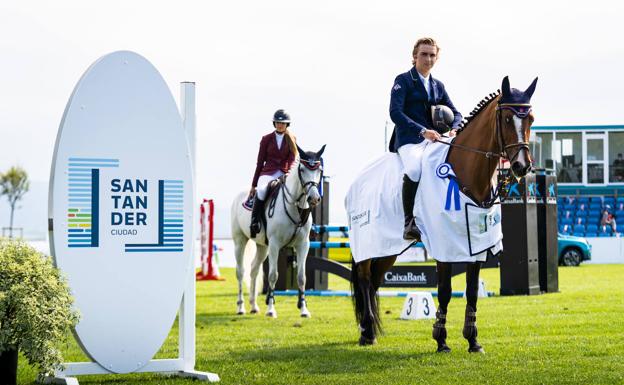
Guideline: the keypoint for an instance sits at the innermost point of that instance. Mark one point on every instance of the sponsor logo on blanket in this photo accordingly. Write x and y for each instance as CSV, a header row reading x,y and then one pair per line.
x,y
488,220
362,219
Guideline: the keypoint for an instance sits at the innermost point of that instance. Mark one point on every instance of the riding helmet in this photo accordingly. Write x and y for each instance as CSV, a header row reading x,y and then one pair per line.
x,y
280,116
442,117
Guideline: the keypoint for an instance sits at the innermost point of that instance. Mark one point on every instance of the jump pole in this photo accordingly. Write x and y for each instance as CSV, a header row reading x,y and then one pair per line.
x,y
209,268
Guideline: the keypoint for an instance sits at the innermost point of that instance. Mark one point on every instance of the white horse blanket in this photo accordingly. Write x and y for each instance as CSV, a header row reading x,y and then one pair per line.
x,y
454,228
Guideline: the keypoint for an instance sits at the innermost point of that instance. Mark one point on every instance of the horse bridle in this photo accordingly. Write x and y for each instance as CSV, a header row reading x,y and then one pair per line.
x,y
310,165
287,196
521,110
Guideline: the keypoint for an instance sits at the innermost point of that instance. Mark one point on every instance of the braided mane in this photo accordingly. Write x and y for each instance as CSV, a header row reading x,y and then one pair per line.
x,y
477,110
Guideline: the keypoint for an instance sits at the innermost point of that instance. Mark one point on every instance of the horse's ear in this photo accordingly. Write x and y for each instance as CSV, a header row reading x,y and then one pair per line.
x,y
506,89
529,91
318,154
302,153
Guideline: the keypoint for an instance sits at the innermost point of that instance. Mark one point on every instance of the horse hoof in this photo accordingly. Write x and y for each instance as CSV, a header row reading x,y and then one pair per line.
x,y
271,314
306,315
364,341
443,349
240,312
254,311
476,349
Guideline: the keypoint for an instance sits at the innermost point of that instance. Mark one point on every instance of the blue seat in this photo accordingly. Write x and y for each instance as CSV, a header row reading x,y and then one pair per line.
x,y
605,230
580,221
563,229
596,199
566,221
595,206
593,221
591,228
579,228
579,234
591,235
594,213
620,200
560,201
603,235
569,207
620,228
609,201
583,200
619,213
581,213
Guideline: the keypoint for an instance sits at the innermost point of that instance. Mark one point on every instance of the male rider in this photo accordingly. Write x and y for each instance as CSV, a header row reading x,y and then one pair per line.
x,y
411,98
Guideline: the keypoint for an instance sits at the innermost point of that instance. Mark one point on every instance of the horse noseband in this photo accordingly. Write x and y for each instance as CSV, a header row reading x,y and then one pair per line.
x,y
521,110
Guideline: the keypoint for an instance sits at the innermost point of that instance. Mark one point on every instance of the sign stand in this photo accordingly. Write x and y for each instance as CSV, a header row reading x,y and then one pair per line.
x,y
184,365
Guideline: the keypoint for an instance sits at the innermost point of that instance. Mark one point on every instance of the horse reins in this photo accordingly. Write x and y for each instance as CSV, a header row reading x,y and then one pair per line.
x,y
521,110
304,213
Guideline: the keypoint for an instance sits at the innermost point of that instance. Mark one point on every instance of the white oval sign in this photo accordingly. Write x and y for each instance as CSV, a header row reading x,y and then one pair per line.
x,y
120,209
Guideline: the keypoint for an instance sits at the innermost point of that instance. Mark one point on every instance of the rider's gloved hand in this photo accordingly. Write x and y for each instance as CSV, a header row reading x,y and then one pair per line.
x,y
432,135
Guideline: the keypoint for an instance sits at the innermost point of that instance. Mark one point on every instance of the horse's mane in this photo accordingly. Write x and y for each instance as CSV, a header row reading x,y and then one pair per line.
x,y
477,110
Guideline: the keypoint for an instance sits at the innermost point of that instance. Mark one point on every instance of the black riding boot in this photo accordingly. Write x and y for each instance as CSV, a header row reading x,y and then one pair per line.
x,y
470,330
439,332
410,230
258,206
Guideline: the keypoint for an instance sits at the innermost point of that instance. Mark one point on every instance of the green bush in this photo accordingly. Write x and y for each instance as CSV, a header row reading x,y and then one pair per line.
x,y
36,312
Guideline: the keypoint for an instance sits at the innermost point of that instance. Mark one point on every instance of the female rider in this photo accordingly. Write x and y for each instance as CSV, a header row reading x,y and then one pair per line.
x,y
276,154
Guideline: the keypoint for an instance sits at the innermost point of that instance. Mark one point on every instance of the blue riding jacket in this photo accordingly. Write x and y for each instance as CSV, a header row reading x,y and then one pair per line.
x,y
410,107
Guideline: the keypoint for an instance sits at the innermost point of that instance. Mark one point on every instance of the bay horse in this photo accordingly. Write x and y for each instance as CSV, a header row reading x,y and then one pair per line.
x,y
499,127
287,224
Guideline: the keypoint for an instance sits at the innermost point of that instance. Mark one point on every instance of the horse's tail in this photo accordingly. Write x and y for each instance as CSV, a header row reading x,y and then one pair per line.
x,y
359,302
356,294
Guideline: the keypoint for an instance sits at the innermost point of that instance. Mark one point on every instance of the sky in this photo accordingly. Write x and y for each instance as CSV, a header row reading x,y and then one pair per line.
x,y
330,64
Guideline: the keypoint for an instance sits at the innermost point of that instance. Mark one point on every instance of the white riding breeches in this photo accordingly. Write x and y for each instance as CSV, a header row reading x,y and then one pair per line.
x,y
411,157
263,184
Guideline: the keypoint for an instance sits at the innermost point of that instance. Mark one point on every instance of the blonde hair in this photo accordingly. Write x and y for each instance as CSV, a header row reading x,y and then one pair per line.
x,y
292,140
423,41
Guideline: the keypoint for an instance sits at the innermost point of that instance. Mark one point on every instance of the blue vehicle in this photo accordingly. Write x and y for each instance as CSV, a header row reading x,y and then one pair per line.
x,y
573,250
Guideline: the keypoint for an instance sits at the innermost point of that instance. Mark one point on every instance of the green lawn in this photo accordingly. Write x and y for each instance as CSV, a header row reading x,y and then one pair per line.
x,y
572,337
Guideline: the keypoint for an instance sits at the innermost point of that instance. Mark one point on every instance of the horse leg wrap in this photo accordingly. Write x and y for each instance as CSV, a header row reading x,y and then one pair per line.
x,y
439,332
470,330
270,297
301,300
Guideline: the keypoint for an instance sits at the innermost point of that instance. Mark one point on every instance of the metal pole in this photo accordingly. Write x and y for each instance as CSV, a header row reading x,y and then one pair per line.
x,y
187,308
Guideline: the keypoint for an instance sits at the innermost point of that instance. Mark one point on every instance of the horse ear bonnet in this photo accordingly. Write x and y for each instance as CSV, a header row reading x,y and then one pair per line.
x,y
302,154
320,152
515,96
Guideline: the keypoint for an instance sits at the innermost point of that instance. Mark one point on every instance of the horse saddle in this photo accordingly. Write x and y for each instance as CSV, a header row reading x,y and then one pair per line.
x,y
271,191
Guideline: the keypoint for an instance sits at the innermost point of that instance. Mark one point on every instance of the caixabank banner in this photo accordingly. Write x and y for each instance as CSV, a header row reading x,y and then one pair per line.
x,y
120,209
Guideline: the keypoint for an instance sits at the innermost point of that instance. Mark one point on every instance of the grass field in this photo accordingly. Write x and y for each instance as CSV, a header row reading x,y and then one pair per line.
x,y
572,337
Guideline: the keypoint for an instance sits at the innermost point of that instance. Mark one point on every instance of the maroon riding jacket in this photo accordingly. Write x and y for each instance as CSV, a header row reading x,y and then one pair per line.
x,y
271,158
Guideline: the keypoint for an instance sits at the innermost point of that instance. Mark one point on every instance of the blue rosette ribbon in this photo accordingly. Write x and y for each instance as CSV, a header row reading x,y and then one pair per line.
x,y
445,171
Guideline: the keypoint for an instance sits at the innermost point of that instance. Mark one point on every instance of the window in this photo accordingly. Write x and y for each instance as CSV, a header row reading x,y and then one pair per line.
x,y
616,157
546,155
567,152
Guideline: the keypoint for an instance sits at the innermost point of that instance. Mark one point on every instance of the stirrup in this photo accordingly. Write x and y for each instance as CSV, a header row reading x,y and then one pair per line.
x,y
411,232
254,229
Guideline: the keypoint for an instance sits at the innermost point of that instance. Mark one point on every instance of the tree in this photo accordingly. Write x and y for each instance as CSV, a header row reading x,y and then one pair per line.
x,y
14,184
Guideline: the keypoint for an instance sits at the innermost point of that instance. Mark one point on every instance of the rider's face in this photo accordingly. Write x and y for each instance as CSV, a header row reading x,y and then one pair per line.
x,y
280,127
425,58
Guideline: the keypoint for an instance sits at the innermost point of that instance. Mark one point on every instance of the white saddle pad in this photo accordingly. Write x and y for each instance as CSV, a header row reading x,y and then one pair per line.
x,y
454,228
